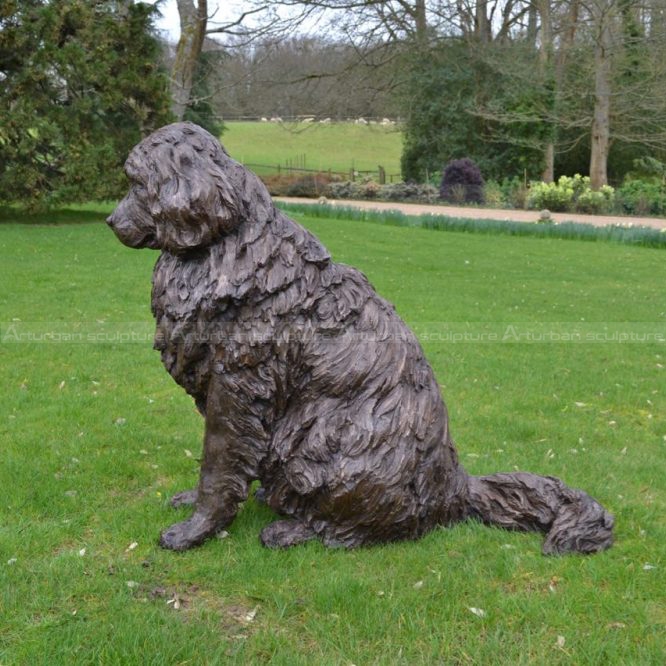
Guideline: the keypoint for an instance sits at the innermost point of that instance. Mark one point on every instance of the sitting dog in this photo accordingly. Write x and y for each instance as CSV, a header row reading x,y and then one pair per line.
x,y
307,379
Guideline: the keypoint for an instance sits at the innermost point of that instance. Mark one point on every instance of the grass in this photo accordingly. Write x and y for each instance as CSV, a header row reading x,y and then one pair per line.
x,y
627,234
95,437
338,146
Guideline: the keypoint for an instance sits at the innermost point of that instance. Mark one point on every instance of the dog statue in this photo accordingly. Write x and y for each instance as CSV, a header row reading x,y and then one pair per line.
x,y
307,379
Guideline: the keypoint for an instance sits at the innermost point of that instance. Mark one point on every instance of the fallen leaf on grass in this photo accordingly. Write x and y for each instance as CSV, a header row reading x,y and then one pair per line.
x,y
648,567
418,585
132,546
560,642
175,602
250,615
616,625
188,453
479,612
11,561
580,404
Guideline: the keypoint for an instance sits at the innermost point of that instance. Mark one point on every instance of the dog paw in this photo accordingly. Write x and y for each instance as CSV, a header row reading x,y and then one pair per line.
x,y
184,498
286,533
187,534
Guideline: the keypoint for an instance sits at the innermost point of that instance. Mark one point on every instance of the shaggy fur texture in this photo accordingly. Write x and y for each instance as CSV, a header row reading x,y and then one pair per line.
x,y
307,379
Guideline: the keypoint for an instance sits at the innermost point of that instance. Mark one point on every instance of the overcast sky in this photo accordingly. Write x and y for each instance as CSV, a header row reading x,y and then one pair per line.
x,y
170,22
219,11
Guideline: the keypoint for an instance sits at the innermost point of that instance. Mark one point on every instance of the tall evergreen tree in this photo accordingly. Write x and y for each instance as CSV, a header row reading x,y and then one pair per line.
x,y
80,85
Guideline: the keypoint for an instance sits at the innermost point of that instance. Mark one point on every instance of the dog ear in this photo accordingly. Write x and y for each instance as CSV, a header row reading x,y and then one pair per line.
x,y
192,198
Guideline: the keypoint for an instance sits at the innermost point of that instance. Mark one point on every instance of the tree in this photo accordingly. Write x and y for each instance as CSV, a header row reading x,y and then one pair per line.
x,y
193,21
519,85
199,108
577,76
81,85
466,101
301,76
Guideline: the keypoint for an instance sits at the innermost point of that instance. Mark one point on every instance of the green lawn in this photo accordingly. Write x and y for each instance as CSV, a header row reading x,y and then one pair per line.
x,y
338,146
96,436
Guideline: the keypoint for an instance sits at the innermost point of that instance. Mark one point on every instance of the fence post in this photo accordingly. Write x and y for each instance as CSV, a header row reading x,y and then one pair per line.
x,y
382,175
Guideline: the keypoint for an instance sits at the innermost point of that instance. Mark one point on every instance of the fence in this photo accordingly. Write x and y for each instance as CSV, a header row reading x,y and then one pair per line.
x,y
379,174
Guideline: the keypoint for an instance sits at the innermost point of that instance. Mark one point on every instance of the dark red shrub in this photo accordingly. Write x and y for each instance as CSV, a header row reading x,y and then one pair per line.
x,y
462,182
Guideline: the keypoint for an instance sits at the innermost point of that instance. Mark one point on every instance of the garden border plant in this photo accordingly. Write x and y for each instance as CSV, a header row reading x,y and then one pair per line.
x,y
629,235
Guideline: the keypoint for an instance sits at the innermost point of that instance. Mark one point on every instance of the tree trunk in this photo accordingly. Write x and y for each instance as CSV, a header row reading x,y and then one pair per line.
x,y
545,65
192,32
602,92
481,22
548,175
420,22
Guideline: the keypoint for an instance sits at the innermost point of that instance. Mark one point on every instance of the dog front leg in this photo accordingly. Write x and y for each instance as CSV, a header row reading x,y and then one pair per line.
x,y
229,465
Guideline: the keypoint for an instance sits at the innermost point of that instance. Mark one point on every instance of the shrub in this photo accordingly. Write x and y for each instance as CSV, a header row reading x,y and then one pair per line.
x,y
648,169
551,196
344,190
570,194
595,202
641,197
413,192
462,182
493,195
298,185
370,189
515,192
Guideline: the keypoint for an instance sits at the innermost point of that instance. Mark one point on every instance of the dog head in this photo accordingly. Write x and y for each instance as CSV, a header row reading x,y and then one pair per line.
x,y
185,192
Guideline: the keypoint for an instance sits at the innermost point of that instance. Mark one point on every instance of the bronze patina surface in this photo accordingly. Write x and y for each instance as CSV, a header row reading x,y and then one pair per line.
x,y
307,379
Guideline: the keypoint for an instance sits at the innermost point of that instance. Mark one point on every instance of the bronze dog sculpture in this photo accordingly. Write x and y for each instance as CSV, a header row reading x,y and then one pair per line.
x,y
307,379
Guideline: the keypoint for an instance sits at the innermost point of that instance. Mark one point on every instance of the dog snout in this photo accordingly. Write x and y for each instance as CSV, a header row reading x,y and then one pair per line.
x,y
111,220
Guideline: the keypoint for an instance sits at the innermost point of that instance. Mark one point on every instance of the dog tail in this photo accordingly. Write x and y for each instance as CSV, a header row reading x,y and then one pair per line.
x,y
571,519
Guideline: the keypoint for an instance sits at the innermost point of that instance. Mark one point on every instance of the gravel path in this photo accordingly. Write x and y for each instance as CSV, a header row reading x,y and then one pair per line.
x,y
487,213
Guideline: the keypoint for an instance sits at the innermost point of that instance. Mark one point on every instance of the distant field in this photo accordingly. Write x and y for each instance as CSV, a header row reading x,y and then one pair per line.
x,y
338,146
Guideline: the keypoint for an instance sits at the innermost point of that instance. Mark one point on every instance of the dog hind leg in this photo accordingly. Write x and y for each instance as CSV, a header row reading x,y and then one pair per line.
x,y
286,533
